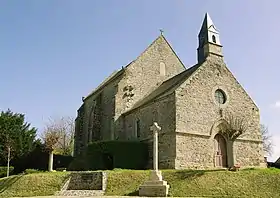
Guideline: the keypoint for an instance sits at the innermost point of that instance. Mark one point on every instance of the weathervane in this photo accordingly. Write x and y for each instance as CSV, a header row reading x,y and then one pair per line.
x,y
161,31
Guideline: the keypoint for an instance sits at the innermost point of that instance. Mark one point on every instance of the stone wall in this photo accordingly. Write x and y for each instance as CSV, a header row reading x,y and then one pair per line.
x,y
248,153
155,65
106,106
144,75
161,111
197,112
79,142
194,151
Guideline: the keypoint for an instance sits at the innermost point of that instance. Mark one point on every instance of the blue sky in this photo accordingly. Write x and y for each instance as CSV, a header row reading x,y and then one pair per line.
x,y
54,52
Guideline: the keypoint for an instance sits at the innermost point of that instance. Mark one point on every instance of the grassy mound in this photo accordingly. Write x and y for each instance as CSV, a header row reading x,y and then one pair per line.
x,y
183,183
245,183
37,184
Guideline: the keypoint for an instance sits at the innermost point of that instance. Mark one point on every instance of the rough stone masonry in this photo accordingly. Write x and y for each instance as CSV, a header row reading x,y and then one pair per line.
x,y
189,104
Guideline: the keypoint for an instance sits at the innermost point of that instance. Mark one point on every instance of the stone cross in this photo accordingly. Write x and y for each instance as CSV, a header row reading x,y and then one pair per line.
x,y
155,128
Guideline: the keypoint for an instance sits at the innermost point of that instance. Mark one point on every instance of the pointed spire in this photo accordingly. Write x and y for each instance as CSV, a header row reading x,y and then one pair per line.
x,y
207,24
208,36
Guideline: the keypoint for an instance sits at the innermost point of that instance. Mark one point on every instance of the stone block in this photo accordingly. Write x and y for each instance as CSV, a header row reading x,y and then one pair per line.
x,y
154,187
86,181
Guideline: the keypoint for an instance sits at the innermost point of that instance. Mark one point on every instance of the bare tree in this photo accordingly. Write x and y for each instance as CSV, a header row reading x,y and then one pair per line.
x,y
234,126
65,126
267,140
50,137
59,137
231,129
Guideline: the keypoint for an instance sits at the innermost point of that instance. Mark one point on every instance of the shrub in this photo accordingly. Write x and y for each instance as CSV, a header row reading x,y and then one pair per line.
x,y
30,171
61,161
3,171
38,159
117,154
78,164
60,169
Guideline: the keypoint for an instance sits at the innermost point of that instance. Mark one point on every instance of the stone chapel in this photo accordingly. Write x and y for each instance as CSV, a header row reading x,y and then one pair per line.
x,y
189,104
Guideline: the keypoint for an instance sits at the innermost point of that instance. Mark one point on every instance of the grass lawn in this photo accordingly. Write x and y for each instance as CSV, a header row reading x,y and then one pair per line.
x,y
244,183
36,184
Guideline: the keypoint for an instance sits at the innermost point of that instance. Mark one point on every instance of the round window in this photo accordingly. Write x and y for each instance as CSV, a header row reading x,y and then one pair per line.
x,y
220,96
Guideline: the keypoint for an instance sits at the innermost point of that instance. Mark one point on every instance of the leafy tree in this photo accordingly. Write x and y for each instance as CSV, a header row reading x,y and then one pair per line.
x,y
267,139
16,136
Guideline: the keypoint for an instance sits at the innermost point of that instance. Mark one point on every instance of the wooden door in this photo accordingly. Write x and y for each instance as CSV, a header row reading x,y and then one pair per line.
x,y
220,151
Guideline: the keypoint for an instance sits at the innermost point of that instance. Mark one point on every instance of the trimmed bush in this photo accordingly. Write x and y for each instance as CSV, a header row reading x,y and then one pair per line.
x,y
104,155
38,159
61,169
273,165
30,171
78,164
3,171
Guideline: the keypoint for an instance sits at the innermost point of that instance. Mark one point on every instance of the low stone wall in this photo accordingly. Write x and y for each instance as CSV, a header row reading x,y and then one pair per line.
x,y
87,181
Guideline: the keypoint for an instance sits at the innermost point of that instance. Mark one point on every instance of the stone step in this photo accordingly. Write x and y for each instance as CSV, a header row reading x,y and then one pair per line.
x,y
80,193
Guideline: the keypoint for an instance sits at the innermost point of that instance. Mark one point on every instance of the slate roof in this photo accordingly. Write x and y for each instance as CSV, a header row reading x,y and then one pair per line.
x,y
165,87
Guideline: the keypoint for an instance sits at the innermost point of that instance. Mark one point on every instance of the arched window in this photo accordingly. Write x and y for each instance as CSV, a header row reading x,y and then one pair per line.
x,y
213,38
220,96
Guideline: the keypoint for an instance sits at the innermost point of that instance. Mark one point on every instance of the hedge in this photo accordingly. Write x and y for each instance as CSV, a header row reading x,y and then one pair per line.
x,y
3,171
78,164
31,171
38,159
106,155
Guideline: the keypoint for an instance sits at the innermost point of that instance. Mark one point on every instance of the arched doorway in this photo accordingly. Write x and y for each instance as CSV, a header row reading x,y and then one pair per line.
x,y
220,156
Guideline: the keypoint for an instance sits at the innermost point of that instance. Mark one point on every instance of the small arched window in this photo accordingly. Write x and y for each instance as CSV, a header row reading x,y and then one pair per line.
x,y
213,38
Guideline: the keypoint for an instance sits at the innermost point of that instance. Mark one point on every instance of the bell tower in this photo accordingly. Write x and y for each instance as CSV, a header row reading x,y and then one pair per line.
x,y
208,40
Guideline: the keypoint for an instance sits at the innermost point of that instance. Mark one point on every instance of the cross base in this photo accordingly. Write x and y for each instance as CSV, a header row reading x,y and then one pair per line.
x,y
155,186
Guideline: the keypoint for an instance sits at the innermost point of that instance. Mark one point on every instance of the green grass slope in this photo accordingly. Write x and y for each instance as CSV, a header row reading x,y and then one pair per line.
x,y
245,183
183,183
37,184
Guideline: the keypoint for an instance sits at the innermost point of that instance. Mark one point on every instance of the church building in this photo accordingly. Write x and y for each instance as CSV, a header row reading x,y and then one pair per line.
x,y
189,104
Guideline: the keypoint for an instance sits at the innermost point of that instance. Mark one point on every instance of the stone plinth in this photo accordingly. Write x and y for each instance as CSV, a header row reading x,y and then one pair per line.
x,y
155,186
87,181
